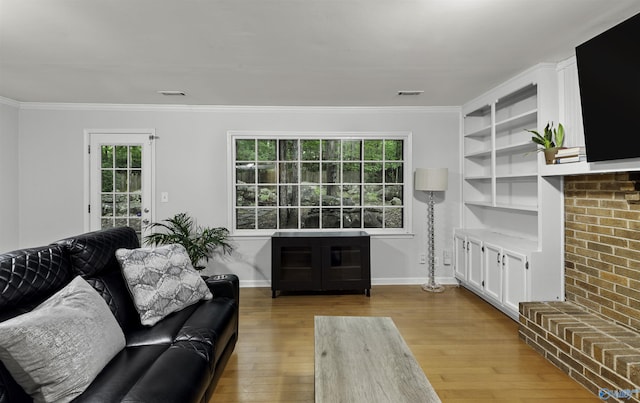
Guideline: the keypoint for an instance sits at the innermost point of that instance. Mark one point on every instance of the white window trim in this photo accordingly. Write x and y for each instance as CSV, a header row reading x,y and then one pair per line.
x,y
407,175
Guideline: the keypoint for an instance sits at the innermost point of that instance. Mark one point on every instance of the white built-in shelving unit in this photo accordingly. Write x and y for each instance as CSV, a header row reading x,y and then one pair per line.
x,y
509,210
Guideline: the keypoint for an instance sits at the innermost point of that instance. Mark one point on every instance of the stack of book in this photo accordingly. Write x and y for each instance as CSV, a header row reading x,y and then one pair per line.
x,y
570,154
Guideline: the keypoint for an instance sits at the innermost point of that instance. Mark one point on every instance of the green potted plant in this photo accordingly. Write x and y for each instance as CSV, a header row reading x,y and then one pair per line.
x,y
199,242
550,140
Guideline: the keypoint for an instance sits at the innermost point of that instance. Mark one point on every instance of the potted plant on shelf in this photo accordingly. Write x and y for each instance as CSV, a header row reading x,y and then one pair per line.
x,y
551,140
199,242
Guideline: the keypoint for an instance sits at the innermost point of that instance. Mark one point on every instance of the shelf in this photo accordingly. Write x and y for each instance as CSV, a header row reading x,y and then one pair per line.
x,y
518,121
516,147
503,206
514,97
523,176
480,112
518,207
478,178
479,154
478,203
584,167
483,132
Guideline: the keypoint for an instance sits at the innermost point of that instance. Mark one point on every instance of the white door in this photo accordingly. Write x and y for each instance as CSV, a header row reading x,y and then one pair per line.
x,y
515,278
460,254
474,263
120,188
493,268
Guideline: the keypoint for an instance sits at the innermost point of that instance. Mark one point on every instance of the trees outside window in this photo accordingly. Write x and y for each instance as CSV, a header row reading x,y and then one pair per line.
x,y
315,183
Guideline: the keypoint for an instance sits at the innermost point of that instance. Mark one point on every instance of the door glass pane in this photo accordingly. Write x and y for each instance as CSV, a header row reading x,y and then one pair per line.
x,y
107,205
135,156
122,154
121,186
135,181
107,180
107,157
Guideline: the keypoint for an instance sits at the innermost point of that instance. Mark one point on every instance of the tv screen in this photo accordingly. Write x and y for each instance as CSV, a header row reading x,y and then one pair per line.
x,y
609,79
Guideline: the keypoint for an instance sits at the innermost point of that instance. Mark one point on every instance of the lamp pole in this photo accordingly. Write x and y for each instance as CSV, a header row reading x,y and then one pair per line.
x,y
431,285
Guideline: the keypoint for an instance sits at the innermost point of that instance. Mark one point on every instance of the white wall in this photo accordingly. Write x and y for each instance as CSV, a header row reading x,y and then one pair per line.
x,y
9,230
191,165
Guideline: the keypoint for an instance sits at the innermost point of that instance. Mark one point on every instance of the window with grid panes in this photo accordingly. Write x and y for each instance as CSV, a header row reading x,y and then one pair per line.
x,y
319,183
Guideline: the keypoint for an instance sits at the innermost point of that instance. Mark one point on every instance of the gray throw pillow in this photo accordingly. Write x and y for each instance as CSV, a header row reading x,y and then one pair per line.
x,y
161,280
55,351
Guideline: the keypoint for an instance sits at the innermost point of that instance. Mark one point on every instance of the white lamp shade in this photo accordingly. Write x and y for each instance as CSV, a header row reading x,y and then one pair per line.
x,y
431,179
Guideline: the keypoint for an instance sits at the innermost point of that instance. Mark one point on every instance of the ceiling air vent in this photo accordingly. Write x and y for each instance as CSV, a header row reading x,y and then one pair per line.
x,y
172,93
410,92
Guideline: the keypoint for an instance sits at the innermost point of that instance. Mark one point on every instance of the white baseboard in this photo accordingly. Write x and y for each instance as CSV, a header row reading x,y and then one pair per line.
x,y
374,282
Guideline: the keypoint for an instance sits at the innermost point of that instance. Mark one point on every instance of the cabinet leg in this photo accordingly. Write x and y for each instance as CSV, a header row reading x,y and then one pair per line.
x,y
367,292
273,293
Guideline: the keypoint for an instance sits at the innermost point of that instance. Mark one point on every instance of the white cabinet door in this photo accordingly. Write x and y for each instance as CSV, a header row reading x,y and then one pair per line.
x,y
460,253
474,262
493,271
515,278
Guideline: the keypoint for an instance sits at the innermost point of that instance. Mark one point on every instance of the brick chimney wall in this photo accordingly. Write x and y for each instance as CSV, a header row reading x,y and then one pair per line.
x,y
602,244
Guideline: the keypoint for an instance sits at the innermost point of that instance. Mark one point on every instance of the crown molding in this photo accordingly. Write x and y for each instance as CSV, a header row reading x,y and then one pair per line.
x,y
9,102
234,108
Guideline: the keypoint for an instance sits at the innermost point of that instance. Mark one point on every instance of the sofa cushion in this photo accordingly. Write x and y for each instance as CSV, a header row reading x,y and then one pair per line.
x,y
161,280
93,256
55,351
121,374
29,276
94,252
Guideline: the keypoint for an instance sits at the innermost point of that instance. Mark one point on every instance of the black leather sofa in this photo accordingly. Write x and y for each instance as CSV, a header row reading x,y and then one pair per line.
x,y
180,359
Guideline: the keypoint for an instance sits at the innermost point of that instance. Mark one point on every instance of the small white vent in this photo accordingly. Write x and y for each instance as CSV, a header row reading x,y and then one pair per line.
x,y
410,92
172,93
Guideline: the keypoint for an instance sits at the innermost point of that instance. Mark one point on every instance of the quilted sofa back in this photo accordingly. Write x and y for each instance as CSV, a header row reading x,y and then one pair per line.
x,y
29,276
92,256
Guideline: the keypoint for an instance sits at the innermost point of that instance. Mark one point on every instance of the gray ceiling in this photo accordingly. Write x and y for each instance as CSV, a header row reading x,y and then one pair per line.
x,y
285,52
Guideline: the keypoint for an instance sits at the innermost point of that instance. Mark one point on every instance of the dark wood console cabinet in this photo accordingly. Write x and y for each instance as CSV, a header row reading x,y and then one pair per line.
x,y
320,261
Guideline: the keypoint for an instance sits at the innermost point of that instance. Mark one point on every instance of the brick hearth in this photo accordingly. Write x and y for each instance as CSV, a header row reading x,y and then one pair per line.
x,y
594,335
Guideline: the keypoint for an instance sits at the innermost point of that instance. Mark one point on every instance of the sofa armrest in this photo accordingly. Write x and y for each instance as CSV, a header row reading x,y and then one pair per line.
x,y
224,285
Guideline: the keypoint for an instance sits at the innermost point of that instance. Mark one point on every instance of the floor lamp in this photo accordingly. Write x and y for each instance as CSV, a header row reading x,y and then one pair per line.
x,y
431,180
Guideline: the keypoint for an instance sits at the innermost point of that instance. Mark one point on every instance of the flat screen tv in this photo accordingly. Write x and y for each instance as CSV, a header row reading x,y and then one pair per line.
x,y
609,79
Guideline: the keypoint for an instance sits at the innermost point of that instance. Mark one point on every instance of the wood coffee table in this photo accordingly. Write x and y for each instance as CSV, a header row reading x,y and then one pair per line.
x,y
365,359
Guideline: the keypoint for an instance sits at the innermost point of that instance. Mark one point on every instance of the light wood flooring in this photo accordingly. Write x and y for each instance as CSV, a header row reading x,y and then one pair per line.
x,y
469,351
